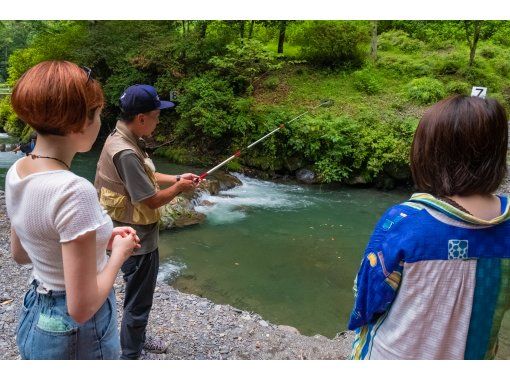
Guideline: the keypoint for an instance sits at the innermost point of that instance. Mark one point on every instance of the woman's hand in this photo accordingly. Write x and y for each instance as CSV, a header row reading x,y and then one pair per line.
x,y
123,246
122,231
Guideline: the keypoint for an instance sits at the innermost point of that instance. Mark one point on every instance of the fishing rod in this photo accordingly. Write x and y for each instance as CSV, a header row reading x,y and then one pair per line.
x,y
326,103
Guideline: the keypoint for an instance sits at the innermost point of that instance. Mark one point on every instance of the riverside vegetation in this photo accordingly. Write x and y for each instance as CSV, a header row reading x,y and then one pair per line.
x,y
234,81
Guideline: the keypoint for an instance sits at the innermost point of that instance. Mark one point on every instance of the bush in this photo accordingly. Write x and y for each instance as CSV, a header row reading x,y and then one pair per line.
x,y
324,141
208,107
450,64
458,87
502,66
404,65
379,145
334,43
271,83
367,81
425,90
400,40
177,155
482,75
488,51
119,81
242,64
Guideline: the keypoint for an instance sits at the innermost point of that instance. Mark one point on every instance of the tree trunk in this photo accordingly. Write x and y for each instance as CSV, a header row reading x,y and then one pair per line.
x,y
241,29
250,31
203,29
373,43
472,40
281,37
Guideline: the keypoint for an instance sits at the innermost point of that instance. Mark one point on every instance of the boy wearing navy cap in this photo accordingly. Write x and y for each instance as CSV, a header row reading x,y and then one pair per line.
x,y
128,187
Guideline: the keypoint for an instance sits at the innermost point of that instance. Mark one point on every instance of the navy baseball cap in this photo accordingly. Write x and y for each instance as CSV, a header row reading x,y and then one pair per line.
x,y
141,98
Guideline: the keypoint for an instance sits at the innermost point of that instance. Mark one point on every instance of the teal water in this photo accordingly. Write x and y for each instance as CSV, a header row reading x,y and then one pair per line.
x,y
288,252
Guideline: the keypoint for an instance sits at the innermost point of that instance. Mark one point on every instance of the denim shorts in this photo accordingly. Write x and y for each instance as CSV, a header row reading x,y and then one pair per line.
x,y
46,330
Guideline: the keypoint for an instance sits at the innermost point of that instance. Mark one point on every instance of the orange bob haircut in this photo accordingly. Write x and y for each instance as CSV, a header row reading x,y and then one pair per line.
x,y
56,97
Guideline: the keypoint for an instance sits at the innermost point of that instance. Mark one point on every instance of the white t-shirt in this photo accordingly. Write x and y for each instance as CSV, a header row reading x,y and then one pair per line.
x,y
49,208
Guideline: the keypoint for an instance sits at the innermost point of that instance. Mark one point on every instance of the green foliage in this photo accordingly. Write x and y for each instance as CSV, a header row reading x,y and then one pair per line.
x,y
425,90
403,65
334,43
8,120
178,155
120,80
488,51
271,83
243,63
399,40
449,64
457,87
380,144
234,166
481,74
209,108
502,66
326,141
58,41
438,34
367,81
231,91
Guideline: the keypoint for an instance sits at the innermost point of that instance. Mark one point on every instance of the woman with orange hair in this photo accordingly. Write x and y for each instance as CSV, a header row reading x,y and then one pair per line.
x,y
57,224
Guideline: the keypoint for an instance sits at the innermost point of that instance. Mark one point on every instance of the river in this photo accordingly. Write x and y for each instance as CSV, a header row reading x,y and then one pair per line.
x,y
288,252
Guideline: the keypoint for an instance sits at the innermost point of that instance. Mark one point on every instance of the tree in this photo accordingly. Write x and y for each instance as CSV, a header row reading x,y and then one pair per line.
x,y
281,35
472,29
373,43
250,31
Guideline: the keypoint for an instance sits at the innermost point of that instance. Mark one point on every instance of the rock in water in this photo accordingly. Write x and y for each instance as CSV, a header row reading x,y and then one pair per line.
x,y
306,176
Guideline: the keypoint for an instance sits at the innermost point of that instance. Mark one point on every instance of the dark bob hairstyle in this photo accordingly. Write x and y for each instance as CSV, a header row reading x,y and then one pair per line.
x,y
460,147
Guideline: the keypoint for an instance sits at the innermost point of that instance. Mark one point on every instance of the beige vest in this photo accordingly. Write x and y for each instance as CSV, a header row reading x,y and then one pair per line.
x,y
112,193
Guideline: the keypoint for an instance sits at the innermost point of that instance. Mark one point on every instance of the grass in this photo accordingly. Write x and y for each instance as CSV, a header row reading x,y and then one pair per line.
x,y
301,88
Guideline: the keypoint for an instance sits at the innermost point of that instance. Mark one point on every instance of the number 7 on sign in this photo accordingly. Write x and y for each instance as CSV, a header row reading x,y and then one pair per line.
x,y
479,92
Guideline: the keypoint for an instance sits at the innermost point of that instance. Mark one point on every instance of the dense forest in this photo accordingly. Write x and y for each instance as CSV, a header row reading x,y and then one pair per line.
x,y
234,81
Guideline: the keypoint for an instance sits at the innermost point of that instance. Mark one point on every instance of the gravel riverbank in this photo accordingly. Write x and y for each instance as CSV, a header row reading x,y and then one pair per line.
x,y
194,327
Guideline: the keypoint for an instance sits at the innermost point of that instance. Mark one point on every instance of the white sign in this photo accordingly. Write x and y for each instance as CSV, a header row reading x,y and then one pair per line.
x,y
479,92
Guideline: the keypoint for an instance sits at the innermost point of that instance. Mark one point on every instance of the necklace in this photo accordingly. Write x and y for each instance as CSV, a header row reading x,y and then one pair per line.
x,y
34,156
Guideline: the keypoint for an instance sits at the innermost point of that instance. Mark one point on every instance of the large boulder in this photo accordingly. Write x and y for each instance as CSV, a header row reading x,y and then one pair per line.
x,y
306,176
225,180
179,213
212,186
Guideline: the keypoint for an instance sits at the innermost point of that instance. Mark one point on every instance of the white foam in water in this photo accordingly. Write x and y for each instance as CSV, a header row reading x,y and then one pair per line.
x,y
169,270
232,205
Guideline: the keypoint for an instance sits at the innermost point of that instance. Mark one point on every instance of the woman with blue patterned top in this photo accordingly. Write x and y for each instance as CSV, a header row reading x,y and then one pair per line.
x,y
434,281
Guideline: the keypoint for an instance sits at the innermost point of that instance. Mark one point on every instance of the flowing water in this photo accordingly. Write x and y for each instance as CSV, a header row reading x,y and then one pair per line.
x,y
288,252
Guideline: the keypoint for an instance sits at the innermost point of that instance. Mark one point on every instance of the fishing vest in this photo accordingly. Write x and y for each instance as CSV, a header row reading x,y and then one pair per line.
x,y
111,191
